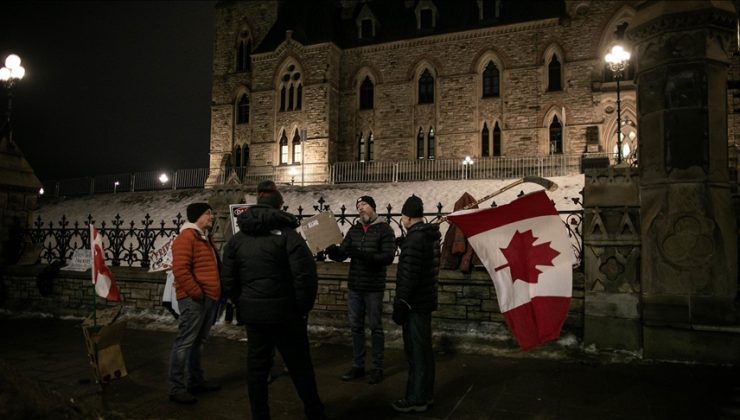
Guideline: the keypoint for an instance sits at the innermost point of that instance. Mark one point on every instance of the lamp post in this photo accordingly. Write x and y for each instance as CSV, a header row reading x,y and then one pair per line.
x,y
292,172
618,59
115,186
163,179
466,164
9,75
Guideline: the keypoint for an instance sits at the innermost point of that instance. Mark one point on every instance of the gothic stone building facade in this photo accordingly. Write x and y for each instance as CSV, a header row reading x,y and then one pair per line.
x,y
313,83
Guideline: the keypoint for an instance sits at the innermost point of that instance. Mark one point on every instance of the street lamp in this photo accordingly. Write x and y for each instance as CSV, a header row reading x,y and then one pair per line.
x,y
466,164
618,60
163,178
292,172
115,186
9,75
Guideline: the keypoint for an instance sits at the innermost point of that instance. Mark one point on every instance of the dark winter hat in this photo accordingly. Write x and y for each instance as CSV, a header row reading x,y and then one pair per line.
x,y
413,207
196,210
272,198
366,198
266,186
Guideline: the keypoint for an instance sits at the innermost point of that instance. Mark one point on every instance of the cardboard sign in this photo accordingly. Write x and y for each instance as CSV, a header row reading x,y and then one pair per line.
x,y
104,344
320,231
80,261
235,210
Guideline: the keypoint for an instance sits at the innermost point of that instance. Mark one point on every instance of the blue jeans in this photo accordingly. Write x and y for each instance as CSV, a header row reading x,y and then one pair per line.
x,y
359,305
417,344
194,324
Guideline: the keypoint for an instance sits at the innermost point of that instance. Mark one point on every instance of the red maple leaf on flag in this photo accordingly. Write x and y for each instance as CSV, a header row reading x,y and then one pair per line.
x,y
522,257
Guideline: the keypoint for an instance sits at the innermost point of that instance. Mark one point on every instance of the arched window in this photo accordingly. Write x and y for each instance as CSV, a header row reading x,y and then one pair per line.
x,y
484,149
366,93
361,148
420,144
243,52
491,80
431,144
297,150
291,89
426,88
556,136
242,112
237,157
553,74
283,149
496,140
371,147
245,155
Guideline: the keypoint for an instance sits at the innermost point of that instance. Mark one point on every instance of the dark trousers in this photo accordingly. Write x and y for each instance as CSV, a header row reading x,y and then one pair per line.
x,y
417,344
291,340
359,305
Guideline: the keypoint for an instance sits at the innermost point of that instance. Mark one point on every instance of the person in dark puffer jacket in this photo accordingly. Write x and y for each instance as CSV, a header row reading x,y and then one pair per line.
x,y
271,268
416,299
371,246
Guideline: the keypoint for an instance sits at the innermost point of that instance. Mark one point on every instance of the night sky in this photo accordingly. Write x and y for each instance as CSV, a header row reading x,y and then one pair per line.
x,y
110,87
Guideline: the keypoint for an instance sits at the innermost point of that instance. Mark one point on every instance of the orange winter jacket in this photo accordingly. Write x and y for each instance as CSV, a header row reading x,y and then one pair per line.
x,y
195,265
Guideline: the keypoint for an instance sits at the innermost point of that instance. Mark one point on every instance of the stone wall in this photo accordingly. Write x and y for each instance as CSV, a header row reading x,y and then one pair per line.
x,y
467,302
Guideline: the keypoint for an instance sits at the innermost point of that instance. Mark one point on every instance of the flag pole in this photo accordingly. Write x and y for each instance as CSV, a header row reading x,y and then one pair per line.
x,y
549,186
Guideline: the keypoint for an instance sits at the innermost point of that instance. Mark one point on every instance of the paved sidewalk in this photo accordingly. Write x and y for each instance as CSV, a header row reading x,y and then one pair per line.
x,y
52,352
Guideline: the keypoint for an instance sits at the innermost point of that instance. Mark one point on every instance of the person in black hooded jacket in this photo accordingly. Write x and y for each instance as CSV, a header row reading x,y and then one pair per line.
x,y
271,268
415,300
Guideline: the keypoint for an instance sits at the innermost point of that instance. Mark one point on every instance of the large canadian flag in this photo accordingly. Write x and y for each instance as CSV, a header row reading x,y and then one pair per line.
x,y
102,278
525,248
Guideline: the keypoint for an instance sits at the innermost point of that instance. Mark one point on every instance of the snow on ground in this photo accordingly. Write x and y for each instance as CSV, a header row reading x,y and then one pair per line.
x,y
165,205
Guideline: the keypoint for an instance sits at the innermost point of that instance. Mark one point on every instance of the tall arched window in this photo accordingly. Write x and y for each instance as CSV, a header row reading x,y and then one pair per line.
x,y
366,93
238,157
420,144
553,74
243,52
426,88
297,148
283,149
245,155
431,144
496,140
291,89
491,80
556,136
371,147
242,112
361,148
484,149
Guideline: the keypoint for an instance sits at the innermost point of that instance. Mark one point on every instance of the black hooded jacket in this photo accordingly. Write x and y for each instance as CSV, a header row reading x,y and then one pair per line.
x,y
268,265
418,268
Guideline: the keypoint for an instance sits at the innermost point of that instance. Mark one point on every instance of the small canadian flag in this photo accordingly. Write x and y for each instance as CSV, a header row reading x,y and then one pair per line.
x,y
525,248
102,278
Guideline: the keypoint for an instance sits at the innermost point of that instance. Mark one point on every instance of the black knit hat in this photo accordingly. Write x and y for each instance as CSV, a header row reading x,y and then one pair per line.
x,y
413,207
195,210
366,198
271,198
266,186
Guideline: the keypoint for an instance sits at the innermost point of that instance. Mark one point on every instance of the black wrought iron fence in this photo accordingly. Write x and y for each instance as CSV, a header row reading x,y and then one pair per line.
x,y
130,243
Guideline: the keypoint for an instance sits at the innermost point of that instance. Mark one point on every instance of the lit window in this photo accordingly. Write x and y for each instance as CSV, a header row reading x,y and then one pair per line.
x,y
297,151
283,149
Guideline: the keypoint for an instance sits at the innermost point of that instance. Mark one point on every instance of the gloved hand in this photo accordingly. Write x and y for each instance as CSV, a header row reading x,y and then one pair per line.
x,y
332,251
401,311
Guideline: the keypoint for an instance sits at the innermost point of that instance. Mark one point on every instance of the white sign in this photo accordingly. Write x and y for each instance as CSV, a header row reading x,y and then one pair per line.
x,y
80,261
236,210
160,259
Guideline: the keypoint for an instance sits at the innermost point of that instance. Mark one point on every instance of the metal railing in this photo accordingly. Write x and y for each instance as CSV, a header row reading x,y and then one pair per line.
x,y
127,182
130,243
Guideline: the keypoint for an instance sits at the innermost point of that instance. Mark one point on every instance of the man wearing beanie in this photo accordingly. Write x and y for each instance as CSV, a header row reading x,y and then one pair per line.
x,y
195,267
370,244
416,298
269,266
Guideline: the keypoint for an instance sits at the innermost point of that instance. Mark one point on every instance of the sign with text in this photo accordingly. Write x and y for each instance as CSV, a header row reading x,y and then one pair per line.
x,y
160,259
236,210
80,261
320,231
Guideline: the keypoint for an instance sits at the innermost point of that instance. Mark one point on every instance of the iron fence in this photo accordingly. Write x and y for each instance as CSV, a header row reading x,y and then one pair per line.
x,y
130,243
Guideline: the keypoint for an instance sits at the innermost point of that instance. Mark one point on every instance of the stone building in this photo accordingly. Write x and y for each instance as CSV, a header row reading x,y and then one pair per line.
x,y
313,83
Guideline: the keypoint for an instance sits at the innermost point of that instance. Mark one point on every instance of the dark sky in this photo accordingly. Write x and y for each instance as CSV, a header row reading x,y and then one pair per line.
x,y
110,87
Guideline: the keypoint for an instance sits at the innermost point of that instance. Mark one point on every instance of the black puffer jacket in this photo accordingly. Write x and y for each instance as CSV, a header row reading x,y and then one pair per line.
x,y
370,252
418,268
269,266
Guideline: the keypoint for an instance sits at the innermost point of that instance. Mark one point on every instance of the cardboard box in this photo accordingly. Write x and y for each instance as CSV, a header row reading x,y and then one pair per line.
x,y
103,341
320,231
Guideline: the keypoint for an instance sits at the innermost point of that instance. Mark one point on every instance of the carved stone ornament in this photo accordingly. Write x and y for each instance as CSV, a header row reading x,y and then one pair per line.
x,y
685,239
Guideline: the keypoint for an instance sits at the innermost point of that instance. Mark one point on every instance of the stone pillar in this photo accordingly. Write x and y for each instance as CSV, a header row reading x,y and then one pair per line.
x,y
19,188
611,253
689,250
222,196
